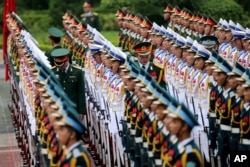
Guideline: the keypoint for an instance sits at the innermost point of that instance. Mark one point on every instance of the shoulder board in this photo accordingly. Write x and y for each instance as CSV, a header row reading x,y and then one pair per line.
x,y
95,14
76,153
231,94
53,67
77,67
82,15
188,149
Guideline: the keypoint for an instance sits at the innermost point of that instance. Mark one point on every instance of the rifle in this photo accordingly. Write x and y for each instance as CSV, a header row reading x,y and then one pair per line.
x,y
107,121
206,131
186,98
195,113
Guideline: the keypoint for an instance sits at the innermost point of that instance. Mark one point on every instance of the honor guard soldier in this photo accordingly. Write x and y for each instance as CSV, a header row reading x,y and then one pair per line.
x,y
183,122
237,105
167,14
244,121
71,79
69,133
143,53
223,110
89,17
55,35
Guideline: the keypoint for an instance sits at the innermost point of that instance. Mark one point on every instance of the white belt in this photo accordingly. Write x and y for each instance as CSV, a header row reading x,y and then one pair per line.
x,y
145,145
44,151
150,154
217,121
235,130
132,131
128,125
138,139
158,162
245,141
212,114
225,127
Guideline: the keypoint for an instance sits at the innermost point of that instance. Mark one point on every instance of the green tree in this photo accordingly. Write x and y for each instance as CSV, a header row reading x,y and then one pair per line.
x,y
57,8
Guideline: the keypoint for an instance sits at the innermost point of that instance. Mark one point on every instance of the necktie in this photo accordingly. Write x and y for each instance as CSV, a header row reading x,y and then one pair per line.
x,y
144,67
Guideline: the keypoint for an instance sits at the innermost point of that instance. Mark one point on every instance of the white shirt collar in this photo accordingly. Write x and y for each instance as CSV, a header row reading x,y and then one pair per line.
x,y
72,147
146,65
67,68
184,142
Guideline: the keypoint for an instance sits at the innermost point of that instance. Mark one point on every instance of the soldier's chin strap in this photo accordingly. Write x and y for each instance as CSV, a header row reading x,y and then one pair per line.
x,y
179,131
225,82
68,139
59,64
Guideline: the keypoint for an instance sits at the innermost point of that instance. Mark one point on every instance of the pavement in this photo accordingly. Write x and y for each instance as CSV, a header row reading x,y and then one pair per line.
x,y
9,151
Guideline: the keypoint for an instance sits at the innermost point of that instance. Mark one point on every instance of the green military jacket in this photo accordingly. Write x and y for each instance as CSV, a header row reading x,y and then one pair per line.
x,y
48,54
77,156
74,86
92,20
156,73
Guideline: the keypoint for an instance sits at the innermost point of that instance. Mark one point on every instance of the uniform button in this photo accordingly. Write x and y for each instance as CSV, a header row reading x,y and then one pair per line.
x,y
64,81
64,88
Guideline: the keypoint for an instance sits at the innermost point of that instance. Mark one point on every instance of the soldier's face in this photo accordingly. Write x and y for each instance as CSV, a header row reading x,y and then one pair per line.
x,y
164,44
233,82
209,69
86,9
185,54
201,28
245,44
178,52
64,135
152,106
108,63
175,126
146,102
115,66
237,44
143,59
137,91
97,58
199,63
159,112
240,89
158,40
247,94
167,120
166,16
215,75
221,35
221,78
228,36
131,85
207,29
144,32
190,58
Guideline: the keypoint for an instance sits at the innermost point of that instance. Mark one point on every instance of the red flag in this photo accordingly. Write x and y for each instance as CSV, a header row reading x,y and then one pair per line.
x,y
9,5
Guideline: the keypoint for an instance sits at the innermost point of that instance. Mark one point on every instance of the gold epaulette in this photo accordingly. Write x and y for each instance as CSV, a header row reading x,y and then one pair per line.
x,y
53,67
82,15
77,67
95,14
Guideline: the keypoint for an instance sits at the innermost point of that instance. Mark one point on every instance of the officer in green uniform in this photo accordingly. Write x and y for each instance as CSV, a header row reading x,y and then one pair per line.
x,y
71,79
89,17
143,53
55,38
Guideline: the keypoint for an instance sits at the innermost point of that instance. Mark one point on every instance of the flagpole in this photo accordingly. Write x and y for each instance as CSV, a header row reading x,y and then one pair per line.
x,y
9,5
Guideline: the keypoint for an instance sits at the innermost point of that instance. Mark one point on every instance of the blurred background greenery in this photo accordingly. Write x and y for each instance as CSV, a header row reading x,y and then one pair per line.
x,y
39,15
